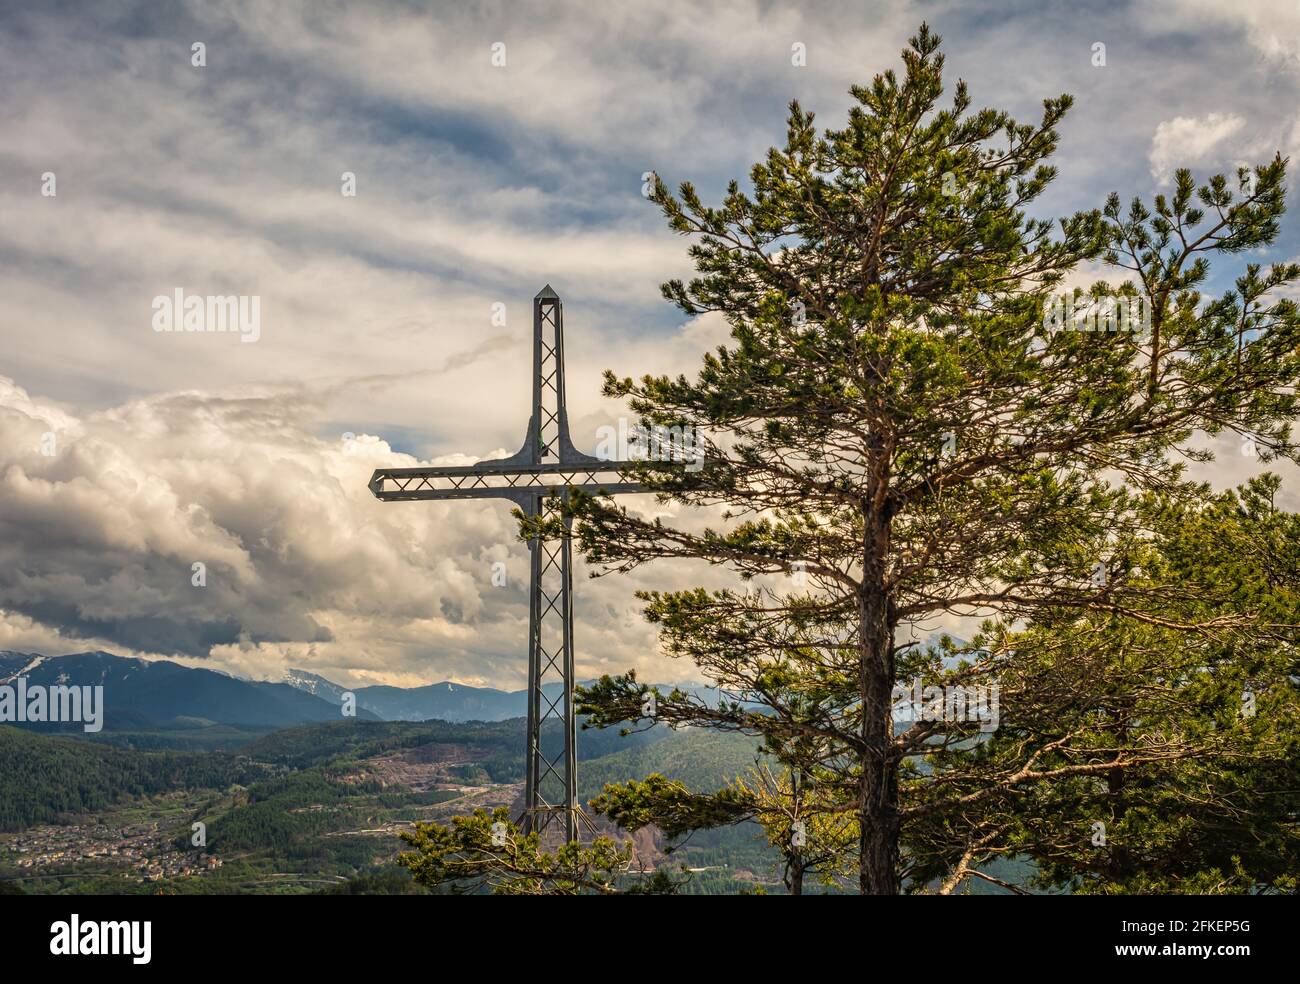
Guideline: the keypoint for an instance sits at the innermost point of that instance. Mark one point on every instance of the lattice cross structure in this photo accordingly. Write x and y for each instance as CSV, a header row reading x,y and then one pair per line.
x,y
546,468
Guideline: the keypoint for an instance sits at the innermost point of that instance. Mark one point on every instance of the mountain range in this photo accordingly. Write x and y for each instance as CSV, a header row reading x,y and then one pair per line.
x,y
144,694
445,701
141,694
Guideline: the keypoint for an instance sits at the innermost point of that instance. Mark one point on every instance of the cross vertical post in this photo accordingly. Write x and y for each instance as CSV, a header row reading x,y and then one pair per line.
x,y
551,788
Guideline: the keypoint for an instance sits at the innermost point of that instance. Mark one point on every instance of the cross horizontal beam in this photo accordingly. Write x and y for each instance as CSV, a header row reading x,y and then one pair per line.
x,y
503,479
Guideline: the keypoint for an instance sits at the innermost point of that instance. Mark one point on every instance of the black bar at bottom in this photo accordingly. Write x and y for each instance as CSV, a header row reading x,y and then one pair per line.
x,y
283,935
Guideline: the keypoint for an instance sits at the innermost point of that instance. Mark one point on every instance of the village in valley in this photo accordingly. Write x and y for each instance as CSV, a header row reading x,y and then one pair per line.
x,y
144,850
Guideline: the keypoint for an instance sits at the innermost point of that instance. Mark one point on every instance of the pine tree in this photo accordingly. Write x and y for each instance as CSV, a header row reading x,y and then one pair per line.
x,y
908,419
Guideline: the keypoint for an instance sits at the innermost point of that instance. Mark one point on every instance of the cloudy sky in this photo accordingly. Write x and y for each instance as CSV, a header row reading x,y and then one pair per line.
x,y
476,183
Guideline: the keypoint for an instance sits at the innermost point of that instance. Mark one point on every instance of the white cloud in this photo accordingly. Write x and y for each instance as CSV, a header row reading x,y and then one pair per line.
x,y
1185,141
304,567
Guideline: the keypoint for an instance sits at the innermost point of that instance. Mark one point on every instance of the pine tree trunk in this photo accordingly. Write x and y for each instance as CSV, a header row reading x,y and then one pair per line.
x,y
878,789
796,877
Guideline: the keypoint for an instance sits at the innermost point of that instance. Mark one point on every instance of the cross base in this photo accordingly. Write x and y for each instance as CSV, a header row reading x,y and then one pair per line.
x,y
573,821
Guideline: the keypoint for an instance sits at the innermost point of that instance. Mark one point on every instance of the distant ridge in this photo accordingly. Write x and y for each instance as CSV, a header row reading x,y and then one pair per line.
x,y
141,693
445,700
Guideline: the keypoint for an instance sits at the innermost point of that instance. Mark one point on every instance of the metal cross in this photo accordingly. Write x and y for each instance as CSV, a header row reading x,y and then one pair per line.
x,y
547,466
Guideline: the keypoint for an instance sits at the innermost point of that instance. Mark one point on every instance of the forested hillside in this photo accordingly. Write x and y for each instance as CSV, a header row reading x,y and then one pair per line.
x,y
320,804
43,779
